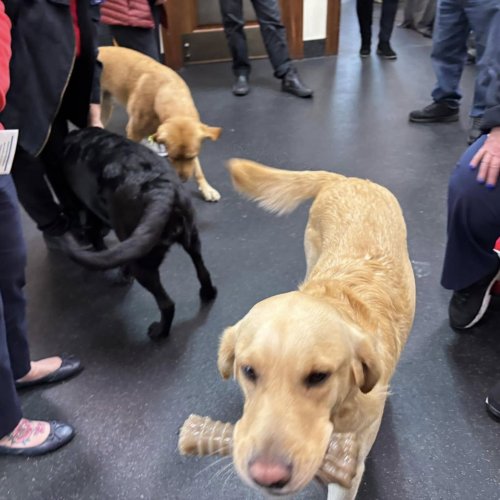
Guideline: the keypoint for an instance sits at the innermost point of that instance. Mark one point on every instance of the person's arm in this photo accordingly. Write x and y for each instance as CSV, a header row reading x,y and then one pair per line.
x,y
488,157
5,54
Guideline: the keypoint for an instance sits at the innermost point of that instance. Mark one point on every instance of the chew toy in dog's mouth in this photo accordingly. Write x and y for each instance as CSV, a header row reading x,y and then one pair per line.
x,y
202,436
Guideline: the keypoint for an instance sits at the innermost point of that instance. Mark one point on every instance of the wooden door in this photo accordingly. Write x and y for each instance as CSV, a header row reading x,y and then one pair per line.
x,y
195,34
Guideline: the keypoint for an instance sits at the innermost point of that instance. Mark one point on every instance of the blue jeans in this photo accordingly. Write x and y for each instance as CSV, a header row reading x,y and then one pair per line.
x,y
14,352
454,20
473,226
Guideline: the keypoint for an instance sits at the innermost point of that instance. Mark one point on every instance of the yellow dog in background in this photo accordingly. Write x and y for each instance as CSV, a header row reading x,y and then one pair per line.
x,y
158,103
320,358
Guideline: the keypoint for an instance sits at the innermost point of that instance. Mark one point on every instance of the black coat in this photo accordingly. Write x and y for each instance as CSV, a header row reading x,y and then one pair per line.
x,y
46,78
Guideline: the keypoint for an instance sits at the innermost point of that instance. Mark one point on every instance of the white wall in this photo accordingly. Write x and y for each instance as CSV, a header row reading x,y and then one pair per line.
x,y
314,19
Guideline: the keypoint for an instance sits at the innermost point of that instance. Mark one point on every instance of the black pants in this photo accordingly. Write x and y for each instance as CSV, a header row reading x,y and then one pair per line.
x,y
364,8
143,40
30,176
273,34
14,352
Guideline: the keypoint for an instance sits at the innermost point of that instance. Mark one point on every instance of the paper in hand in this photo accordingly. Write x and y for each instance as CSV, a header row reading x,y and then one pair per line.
x,y
8,142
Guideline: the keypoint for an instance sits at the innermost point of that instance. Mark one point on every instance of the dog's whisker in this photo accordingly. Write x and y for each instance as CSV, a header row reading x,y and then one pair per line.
x,y
209,466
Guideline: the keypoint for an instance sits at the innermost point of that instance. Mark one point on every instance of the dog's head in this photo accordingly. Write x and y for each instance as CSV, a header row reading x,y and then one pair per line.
x,y
182,136
296,361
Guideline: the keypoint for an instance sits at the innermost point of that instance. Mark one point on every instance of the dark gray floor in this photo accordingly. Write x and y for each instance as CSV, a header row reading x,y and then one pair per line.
x,y
436,440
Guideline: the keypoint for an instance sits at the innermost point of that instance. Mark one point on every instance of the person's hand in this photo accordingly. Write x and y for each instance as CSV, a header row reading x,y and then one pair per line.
x,y
160,2
94,119
488,159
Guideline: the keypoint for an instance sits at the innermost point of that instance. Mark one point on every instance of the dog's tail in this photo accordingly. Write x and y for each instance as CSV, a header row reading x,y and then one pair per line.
x,y
144,237
276,190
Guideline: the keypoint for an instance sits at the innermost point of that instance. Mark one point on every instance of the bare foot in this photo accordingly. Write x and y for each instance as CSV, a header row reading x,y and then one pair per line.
x,y
27,434
42,368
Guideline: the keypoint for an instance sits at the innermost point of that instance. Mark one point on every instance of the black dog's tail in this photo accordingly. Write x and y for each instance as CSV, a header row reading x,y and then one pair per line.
x,y
139,243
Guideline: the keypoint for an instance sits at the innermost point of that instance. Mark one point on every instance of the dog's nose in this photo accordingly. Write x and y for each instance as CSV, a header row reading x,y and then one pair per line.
x,y
270,473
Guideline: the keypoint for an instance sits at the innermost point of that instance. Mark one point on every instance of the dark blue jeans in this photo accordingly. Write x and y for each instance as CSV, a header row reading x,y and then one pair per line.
x,y
273,34
454,21
473,226
14,352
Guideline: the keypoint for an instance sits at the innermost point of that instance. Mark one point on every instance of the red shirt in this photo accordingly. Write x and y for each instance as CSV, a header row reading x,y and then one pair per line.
x,y
4,56
76,28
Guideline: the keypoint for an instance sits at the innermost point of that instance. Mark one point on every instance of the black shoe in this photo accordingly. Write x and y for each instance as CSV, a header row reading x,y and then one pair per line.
x,y
241,87
365,50
436,112
60,434
69,367
475,131
469,305
384,50
291,83
493,401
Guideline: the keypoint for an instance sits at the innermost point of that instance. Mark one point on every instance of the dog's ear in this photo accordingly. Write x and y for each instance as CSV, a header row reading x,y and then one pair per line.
x,y
366,366
208,132
225,359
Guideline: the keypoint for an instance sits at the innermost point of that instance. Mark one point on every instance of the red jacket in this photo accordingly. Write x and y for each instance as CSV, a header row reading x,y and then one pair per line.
x,y
4,55
135,13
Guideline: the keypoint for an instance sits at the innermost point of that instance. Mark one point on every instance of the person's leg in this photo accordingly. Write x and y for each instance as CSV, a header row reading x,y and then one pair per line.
x,y
28,173
14,351
274,35
389,10
364,10
449,53
470,264
449,50
140,39
233,22
484,19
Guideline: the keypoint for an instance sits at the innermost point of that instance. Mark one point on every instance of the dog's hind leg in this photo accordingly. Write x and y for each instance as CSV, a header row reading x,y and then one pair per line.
x,y
193,248
149,278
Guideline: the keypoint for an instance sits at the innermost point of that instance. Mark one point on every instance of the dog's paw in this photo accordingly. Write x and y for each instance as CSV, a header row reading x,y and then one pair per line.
x,y
157,331
208,293
210,194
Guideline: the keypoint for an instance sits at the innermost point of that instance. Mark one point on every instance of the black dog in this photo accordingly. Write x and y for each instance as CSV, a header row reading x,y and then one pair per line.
x,y
131,190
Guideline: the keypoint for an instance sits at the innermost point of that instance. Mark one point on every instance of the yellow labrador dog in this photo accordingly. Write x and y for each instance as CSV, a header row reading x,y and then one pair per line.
x,y
320,358
158,103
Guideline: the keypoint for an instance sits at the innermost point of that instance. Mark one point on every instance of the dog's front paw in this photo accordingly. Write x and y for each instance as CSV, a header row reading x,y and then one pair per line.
x,y
208,293
210,194
156,331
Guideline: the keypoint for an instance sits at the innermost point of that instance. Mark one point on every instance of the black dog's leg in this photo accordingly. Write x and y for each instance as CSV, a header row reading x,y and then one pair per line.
x,y
193,248
149,278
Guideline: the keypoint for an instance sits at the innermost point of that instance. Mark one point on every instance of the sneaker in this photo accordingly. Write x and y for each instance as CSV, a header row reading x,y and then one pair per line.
x,y
468,306
241,87
436,112
365,50
384,50
493,401
475,131
154,146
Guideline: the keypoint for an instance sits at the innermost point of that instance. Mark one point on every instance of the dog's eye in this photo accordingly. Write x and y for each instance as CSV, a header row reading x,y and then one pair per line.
x,y
249,373
316,378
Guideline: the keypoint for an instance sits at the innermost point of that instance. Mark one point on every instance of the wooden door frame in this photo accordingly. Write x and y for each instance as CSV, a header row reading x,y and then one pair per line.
x,y
181,19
